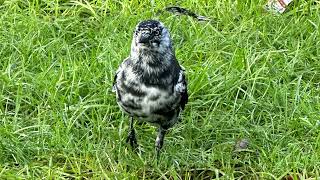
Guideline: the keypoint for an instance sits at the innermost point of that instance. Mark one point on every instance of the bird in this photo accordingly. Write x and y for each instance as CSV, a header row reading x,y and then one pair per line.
x,y
149,84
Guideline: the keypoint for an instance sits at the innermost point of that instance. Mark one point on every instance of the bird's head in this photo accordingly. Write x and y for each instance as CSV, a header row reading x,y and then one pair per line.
x,y
151,35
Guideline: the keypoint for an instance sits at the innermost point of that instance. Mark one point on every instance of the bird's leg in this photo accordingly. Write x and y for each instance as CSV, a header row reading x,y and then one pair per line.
x,y
159,140
132,135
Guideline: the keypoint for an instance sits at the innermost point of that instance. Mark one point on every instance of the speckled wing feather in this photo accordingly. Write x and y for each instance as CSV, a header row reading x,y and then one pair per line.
x,y
181,88
114,84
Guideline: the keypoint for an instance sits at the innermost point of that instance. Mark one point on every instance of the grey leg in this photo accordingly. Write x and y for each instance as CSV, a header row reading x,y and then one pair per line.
x,y
159,140
132,135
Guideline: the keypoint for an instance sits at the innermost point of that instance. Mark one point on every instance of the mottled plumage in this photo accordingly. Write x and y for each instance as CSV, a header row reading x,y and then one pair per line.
x,y
150,84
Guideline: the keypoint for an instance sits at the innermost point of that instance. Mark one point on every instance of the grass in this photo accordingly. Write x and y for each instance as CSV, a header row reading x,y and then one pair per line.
x,y
252,75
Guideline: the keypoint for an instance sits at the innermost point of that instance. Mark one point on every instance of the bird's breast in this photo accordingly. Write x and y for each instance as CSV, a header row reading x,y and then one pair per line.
x,y
144,100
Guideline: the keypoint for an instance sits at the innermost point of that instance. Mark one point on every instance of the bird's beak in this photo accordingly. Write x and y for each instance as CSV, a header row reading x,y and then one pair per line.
x,y
145,38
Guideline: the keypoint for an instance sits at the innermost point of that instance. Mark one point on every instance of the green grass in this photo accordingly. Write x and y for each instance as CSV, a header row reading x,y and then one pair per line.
x,y
252,75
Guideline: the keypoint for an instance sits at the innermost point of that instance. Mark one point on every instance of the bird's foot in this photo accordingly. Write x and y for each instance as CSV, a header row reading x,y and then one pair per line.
x,y
158,150
132,140
158,146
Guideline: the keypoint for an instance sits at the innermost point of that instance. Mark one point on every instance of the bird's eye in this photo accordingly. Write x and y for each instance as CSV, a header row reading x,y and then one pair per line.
x,y
157,33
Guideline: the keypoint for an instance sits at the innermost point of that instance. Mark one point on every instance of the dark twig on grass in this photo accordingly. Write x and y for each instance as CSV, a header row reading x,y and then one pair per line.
x,y
182,11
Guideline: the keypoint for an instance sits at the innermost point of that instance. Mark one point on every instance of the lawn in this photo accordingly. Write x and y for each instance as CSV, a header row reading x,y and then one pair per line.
x,y
253,77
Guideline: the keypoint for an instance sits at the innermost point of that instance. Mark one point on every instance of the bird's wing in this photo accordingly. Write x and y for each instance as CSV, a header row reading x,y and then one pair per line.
x,y
114,84
120,69
181,88
114,87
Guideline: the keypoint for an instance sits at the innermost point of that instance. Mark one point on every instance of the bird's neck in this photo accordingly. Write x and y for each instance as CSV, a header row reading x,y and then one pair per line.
x,y
148,63
148,56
